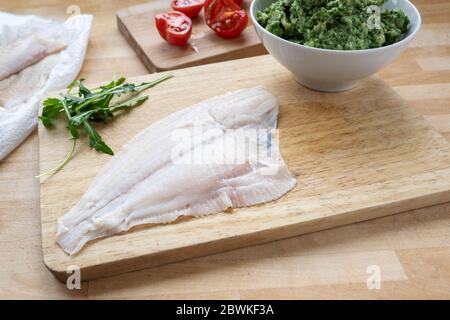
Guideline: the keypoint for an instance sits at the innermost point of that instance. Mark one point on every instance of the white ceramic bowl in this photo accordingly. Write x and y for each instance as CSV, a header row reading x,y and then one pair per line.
x,y
333,70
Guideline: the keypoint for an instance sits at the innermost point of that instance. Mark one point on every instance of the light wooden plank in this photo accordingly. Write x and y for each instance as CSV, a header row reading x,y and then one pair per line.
x,y
434,63
424,91
440,123
433,34
356,157
238,274
22,273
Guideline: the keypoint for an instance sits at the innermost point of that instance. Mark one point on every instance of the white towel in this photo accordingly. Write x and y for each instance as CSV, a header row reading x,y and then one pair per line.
x,y
17,122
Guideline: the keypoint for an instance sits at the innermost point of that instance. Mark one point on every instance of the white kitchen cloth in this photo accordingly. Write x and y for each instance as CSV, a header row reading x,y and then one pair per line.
x,y
17,122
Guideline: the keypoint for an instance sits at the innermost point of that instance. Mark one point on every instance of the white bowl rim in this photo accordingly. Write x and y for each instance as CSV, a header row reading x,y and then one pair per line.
x,y
362,51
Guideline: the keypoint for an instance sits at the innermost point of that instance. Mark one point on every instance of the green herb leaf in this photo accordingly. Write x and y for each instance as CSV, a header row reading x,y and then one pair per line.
x,y
86,105
52,107
95,140
129,104
73,131
82,90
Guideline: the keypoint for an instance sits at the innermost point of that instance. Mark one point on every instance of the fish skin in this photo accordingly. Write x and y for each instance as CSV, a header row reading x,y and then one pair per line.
x,y
25,52
154,189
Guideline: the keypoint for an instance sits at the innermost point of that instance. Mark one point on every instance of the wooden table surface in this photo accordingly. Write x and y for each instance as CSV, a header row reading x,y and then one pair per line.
x,y
412,249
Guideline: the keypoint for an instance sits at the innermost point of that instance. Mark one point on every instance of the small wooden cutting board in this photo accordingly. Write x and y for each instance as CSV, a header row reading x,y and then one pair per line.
x,y
356,155
138,27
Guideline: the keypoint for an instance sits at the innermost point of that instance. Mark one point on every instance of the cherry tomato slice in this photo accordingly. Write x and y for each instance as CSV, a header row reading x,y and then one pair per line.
x,y
225,17
175,27
191,8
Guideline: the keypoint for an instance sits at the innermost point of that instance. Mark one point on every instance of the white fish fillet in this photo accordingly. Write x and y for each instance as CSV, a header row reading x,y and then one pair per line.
x,y
26,52
19,119
19,87
143,184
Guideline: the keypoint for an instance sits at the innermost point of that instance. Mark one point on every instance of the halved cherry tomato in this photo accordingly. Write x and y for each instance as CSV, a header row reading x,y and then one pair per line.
x,y
191,8
225,17
238,2
175,27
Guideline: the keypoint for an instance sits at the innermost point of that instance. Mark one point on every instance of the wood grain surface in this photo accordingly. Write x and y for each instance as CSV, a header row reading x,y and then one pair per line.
x,y
136,23
412,249
356,155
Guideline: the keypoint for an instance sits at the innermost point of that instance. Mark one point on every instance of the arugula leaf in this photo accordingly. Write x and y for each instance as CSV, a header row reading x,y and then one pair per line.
x,y
129,104
95,140
80,118
82,90
114,83
52,107
73,131
86,105
72,85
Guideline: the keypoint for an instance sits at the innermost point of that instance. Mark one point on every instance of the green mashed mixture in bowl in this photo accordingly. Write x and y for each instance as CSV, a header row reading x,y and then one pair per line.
x,y
335,24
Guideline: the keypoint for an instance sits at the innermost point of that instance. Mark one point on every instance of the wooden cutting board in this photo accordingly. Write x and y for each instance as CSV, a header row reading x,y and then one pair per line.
x,y
137,26
356,155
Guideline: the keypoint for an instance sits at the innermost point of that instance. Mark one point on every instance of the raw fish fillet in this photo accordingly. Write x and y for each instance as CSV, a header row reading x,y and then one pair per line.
x,y
146,183
26,52
19,87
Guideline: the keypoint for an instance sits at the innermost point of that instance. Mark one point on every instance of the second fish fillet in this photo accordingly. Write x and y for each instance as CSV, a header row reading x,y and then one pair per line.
x,y
21,86
25,52
183,165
